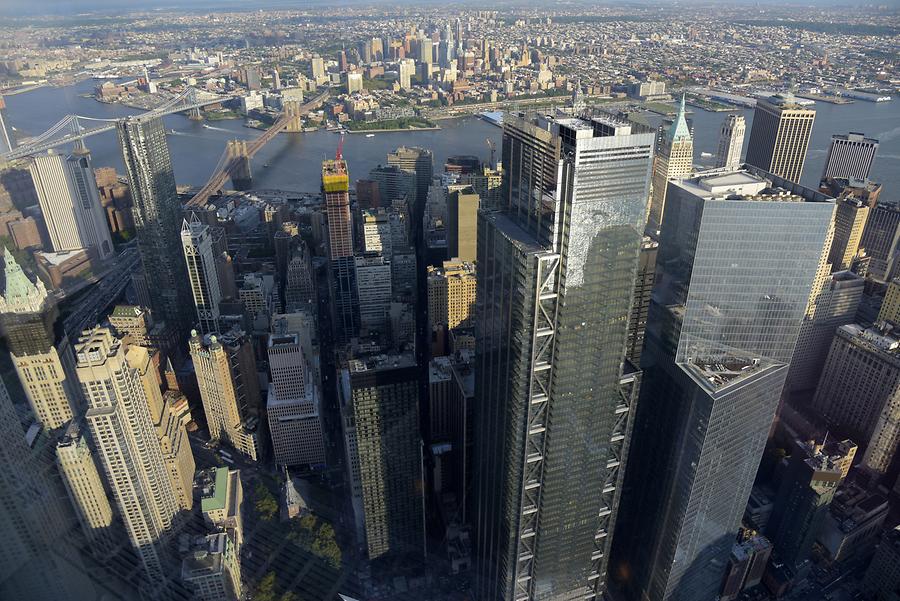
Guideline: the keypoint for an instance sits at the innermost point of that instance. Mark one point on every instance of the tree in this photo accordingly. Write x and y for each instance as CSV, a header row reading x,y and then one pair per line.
x,y
266,505
265,590
289,596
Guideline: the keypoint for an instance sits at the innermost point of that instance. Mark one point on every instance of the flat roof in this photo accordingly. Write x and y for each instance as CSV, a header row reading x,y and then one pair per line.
x,y
217,500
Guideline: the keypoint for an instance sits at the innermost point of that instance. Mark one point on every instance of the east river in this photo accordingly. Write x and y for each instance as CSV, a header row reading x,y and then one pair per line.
x,y
294,160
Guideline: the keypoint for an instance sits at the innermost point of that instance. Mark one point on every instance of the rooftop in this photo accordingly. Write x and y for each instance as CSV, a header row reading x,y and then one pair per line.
x,y
747,184
215,498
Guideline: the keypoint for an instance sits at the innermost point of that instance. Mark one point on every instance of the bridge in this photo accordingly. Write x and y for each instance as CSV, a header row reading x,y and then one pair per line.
x,y
71,128
234,163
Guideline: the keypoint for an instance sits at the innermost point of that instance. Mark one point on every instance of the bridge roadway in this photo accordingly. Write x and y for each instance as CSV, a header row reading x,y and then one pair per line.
x,y
231,164
94,303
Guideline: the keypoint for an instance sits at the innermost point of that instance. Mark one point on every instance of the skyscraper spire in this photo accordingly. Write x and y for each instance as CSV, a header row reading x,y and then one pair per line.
x,y
679,129
19,294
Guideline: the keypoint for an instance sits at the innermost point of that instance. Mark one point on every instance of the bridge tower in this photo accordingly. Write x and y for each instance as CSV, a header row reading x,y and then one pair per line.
x,y
293,109
78,147
239,159
194,114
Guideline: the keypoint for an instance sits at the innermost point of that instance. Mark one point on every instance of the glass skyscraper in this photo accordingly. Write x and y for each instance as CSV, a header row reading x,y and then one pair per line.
x,y
738,254
556,272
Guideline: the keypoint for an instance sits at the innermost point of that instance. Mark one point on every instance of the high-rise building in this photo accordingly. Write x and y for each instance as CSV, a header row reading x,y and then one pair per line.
x,y
731,142
213,572
407,68
746,566
780,136
354,82
850,157
720,335
81,476
318,69
414,160
229,389
373,291
426,53
394,183
300,284
808,484
294,398
376,232
380,412
157,217
40,353
643,287
860,389
202,271
890,306
451,296
116,379
850,219
556,270
882,578
880,240
70,203
674,159
336,188
835,305
462,223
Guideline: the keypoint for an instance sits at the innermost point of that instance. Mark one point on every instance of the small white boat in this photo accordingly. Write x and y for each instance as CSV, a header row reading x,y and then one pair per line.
x,y
370,135
707,154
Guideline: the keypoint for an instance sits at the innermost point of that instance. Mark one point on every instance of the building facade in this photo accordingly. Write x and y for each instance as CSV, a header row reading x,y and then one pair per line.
x,y
202,272
731,142
674,159
780,136
850,156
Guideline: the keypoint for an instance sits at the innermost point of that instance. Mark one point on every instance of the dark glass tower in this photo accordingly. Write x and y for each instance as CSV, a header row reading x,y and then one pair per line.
x,y
738,254
556,273
157,218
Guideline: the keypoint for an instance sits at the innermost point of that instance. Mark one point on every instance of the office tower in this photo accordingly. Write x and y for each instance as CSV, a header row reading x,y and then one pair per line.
x,y
221,502
850,219
556,270
367,194
300,285
882,578
379,398
643,286
462,223
116,379
40,354
318,69
255,293
859,391
80,474
336,188
70,203
850,157
373,290
197,247
407,68
890,306
746,566
294,399
720,335
880,240
136,326
376,232
731,142
157,217
354,82
486,184
674,159
808,484
213,572
426,53
451,299
394,183
780,136
229,388
171,415
414,160
835,305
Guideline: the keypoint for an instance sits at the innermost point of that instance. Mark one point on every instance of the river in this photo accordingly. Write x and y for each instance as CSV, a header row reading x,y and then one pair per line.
x,y
295,159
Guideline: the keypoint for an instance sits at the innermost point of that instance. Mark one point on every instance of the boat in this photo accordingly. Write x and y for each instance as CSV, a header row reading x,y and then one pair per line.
x,y
707,154
370,135
265,164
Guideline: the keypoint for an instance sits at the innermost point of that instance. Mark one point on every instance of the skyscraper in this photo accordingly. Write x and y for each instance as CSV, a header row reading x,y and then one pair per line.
x,y
70,203
721,330
674,159
157,217
643,287
336,188
373,291
407,68
414,160
556,271
229,388
731,142
462,223
850,219
40,352
780,136
850,156
115,381
380,410
197,247
881,240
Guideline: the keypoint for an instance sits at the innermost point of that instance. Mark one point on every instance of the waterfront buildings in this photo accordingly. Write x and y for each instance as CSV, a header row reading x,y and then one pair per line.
x,y
859,391
780,136
70,203
850,157
556,276
227,378
157,217
379,398
720,336
197,247
674,159
40,352
731,142
116,380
